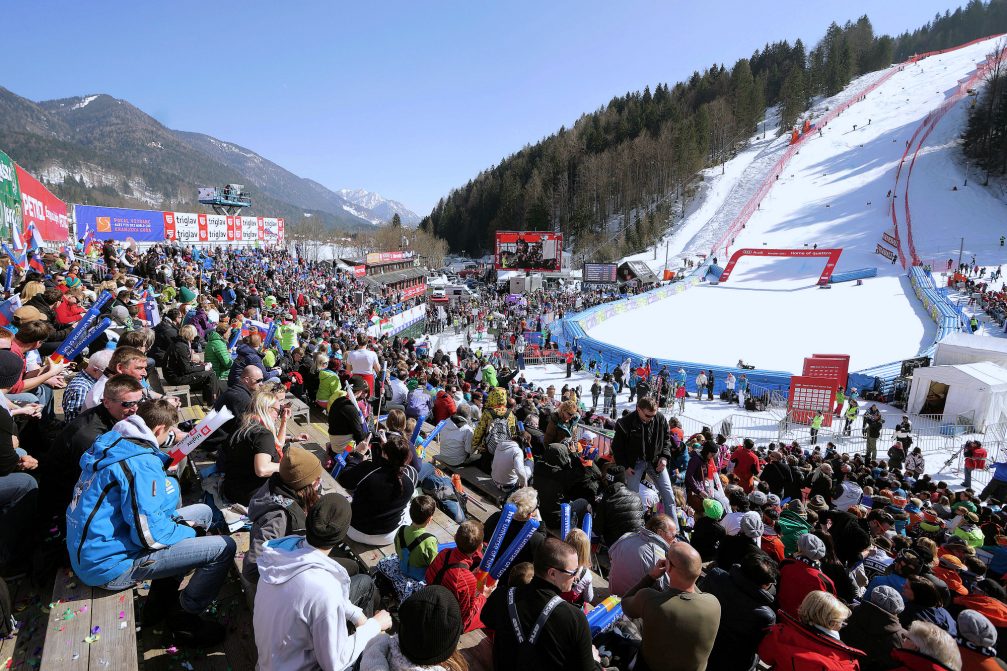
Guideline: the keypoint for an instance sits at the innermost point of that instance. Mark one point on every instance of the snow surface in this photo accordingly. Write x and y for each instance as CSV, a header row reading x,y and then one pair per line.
x,y
83,103
833,194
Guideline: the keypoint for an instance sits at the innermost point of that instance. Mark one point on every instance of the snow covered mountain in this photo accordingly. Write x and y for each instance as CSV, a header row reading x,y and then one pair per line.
x,y
376,208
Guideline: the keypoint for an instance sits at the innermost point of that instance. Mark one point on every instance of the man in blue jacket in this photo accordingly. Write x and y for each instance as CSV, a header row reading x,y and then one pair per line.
x,y
124,526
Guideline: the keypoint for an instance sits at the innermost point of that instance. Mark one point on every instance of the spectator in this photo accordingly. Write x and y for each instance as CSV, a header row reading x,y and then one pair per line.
x,y
165,333
810,641
526,501
415,546
977,638
582,590
237,398
217,353
456,439
620,510
38,378
874,628
280,507
563,640
346,421
746,610
18,489
125,526
681,608
305,600
928,647
512,467
76,391
180,369
642,445
802,574
454,568
430,624
635,555
382,487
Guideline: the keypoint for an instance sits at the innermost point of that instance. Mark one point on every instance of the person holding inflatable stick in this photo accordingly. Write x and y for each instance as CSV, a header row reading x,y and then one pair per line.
x,y
504,561
81,336
496,540
564,520
604,615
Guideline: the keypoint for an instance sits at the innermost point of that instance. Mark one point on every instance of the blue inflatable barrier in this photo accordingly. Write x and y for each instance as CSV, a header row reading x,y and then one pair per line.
x,y
849,276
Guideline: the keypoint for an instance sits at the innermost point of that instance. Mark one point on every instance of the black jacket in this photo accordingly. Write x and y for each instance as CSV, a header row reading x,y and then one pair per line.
x,y
707,535
178,361
565,639
746,612
344,419
236,398
875,631
635,440
777,475
554,477
620,511
61,464
164,335
380,492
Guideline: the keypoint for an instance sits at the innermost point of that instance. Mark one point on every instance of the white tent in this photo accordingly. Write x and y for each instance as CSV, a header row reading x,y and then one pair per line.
x,y
957,348
979,388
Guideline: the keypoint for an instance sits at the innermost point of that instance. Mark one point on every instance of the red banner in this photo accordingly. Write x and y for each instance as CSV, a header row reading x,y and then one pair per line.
x,y
230,229
809,395
262,228
359,271
169,226
413,292
830,265
237,228
41,208
201,224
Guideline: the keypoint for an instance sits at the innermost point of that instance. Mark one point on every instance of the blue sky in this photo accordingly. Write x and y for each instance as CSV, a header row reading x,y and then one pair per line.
x,y
409,99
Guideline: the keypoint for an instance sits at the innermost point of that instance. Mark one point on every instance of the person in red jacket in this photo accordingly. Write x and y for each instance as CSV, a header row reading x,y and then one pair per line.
x,y
927,647
802,575
746,464
811,640
444,406
453,569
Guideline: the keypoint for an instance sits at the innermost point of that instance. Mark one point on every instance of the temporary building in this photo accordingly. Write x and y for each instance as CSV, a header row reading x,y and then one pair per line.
x,y
969,348
978,390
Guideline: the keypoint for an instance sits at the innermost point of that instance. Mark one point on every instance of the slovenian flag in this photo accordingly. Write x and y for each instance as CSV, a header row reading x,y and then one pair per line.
x,y
68,250
36,264
7,309
250,326
30,239
88,240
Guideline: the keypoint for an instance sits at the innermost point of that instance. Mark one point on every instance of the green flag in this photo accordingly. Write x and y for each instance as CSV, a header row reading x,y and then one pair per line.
x,y
10,198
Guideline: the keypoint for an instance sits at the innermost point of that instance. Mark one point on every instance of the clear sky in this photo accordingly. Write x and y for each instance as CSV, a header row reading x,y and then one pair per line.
x,y
409,99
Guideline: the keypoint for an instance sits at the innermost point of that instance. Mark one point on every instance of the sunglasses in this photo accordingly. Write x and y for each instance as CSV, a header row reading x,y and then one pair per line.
x,y
127,404
572,573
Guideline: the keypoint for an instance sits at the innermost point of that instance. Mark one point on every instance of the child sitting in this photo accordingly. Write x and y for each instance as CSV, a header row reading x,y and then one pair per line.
x,y
415,546
582,590
453,568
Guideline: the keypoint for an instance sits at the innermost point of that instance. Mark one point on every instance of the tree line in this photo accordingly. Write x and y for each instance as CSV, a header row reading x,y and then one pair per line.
x,y
616,180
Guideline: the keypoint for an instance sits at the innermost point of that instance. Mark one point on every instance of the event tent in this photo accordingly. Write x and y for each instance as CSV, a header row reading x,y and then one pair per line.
x,y
957,348
961,389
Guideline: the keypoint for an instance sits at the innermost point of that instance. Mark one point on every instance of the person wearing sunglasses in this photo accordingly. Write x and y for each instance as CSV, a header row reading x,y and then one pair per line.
x,y
534,627
642,445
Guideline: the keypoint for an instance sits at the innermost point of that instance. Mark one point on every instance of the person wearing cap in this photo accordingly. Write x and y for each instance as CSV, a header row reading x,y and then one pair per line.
x,y
907,563
793,524
620,510
279,508
977,639
287,332
746,610
76,391
949,569
802,574
427,638
346,421
693,615
988,597
708,531
124,526
305,600
874,627
746,540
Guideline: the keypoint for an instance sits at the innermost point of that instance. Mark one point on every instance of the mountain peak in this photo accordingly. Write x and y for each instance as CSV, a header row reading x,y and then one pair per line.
x,y
380,209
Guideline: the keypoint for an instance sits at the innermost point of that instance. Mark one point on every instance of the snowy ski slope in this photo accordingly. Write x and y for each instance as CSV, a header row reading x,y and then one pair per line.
x,y
833,193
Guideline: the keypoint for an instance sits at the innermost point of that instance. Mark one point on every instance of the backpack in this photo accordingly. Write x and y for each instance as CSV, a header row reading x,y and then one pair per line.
x,y
497,432
416,573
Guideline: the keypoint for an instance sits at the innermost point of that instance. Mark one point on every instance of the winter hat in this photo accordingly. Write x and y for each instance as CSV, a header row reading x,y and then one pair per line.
x,y
811,546
328,521
712,508
186,295
616,473
430,624
11,366
797,507
952,562
120,314
752,526
888,599
299,468
26,314
977,629
817,503
757,498
773,500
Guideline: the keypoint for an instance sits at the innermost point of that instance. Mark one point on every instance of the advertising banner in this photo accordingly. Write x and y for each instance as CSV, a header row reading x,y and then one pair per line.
x,y
216,228
359,271
116,223
249,229
413,292
528,250
279,230
375,258
41,208
271,226
10,197
186,227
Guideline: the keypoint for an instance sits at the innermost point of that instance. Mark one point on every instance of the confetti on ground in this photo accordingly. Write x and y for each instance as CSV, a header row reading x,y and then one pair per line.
x,y
122,625
91,639
171,650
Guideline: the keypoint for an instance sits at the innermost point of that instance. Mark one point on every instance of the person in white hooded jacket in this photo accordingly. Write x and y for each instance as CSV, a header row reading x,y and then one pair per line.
x,y
304,602
512,468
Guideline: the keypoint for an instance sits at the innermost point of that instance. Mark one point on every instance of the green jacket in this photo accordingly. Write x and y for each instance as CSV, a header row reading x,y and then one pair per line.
x,y
217,355
792,527
287,334
329,387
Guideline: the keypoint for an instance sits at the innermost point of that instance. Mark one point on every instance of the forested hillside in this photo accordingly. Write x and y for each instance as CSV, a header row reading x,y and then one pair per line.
x,y
612,181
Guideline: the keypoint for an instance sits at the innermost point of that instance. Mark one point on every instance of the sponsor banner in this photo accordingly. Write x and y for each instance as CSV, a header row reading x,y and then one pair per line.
x,y
249,229
528,250
890,239
187,227
413,292
10,198
43,209
376,258
230,229
260,224
396,323
116,223
359,271
271,225
216,229
885,252
279,230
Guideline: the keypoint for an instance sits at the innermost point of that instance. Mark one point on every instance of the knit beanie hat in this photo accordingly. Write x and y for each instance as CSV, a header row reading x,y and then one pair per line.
x,y
811,546
757,498
186,295
977,629
616,473
299,468
430,624
888,599
712,508
752,526
797,507
328,521
11,366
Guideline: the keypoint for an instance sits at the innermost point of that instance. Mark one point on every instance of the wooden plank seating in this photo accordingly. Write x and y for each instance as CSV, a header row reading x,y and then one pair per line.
x,y
156,380
89,628
475,478
22,650
298,408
